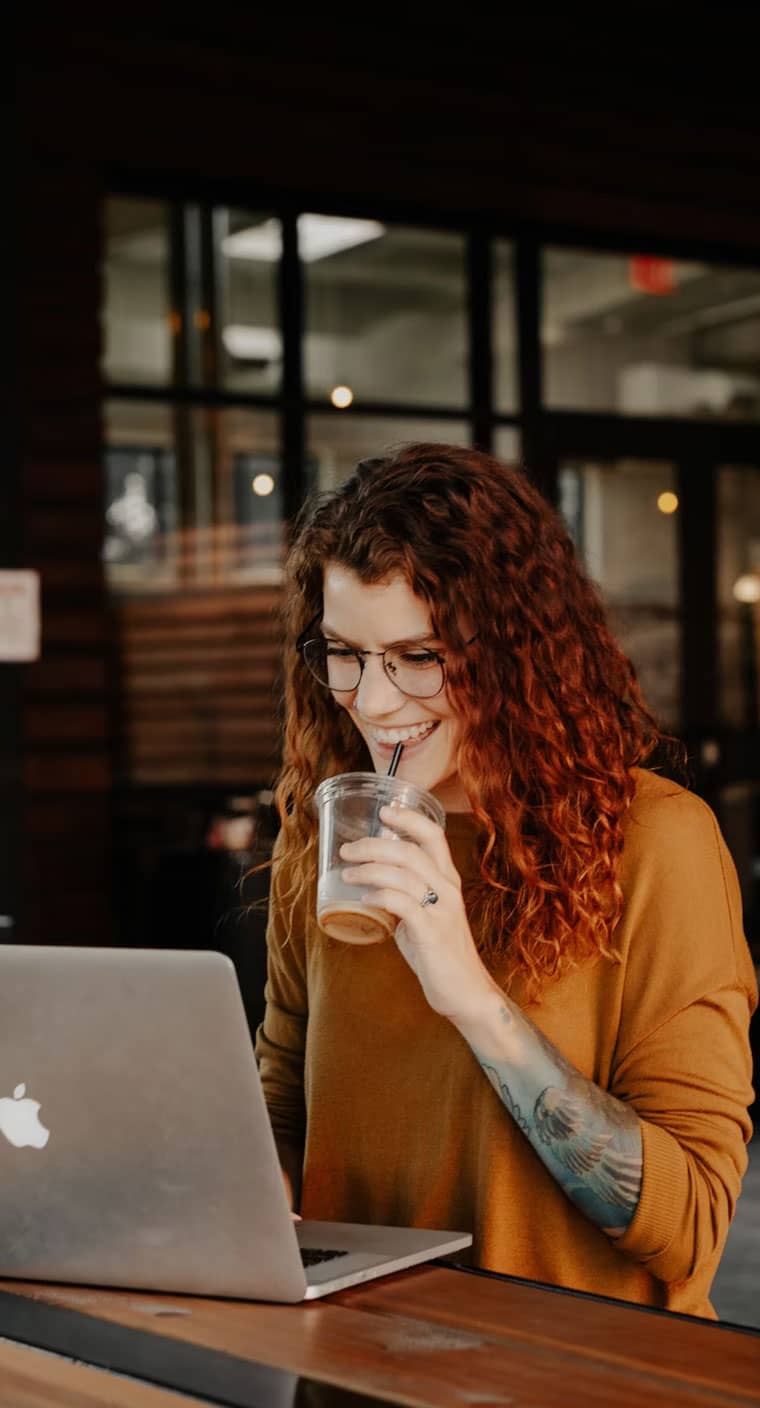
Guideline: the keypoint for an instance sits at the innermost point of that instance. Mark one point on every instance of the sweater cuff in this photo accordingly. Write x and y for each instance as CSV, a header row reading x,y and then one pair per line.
x,y
664,1189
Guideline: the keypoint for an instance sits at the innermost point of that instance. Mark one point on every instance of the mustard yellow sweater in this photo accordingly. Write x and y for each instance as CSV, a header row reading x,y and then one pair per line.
x,y
399,1125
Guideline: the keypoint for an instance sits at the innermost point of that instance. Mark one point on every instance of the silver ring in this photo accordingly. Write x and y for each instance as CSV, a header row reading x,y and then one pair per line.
x,y
430,897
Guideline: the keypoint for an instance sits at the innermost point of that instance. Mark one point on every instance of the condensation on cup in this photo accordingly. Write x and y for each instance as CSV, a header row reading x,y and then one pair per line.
x,y
349,808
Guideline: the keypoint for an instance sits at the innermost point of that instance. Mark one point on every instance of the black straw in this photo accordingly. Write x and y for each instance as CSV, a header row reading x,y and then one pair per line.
x,y
376,826
395,760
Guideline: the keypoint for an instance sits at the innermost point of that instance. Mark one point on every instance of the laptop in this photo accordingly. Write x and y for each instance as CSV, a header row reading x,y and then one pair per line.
x,y
135,1146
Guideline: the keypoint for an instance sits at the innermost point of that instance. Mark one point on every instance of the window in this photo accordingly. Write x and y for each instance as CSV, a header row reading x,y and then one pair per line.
x,y
506,367
622,517
193,461
202,438
247,254
336,443
642,335
138,327
385,312
141,540
739,594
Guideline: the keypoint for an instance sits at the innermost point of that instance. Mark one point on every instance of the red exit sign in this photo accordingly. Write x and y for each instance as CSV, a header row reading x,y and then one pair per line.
x,y
648,273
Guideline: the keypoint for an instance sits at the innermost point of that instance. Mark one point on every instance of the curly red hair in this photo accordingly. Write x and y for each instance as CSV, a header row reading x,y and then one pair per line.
x,y
553,721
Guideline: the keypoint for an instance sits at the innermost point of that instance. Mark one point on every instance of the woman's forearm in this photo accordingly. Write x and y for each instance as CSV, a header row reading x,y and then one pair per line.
x,y
589,1141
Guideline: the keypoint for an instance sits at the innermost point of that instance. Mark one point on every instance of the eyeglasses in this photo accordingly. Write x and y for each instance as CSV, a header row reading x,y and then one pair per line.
x,y
413,669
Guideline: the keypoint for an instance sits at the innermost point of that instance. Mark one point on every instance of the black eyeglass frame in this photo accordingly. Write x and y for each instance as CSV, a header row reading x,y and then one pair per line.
x,y
305,639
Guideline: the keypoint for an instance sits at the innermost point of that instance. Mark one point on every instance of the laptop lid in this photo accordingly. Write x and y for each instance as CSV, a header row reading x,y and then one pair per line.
x,y
135,1145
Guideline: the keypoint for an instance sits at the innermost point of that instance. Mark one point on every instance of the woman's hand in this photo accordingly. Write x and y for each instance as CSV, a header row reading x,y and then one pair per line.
x,y
435,939
296,1216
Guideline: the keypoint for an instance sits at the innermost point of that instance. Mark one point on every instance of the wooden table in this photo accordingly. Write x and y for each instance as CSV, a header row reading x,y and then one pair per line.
x,y
432,1336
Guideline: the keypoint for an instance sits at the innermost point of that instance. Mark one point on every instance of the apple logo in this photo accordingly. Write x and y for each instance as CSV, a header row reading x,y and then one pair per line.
x,y
20,1122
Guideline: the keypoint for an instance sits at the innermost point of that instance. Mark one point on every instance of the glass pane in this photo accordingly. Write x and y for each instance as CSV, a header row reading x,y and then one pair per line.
x,y
504,328
197,367
622,517
739,594
141,495
739,812
248,248
506,444
642,335
199,652
336,443
236,485
137,328
193,496
385,312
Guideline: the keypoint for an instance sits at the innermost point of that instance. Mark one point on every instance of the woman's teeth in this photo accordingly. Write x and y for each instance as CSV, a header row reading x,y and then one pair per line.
x,y
402,735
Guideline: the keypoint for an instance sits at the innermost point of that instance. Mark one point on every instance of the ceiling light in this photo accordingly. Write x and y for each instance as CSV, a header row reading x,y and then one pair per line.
x,y
341,397
667,502
252,344
747,588
262,484
318,237
262,241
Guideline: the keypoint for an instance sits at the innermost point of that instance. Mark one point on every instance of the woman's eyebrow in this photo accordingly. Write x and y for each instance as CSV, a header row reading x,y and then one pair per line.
x,y
403,640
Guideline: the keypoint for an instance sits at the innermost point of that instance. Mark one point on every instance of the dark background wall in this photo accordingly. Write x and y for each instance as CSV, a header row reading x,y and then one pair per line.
x,y
630,122
621,132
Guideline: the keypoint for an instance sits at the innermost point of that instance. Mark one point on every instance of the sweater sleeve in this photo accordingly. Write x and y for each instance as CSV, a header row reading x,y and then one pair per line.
x,y
281,1038
683,1058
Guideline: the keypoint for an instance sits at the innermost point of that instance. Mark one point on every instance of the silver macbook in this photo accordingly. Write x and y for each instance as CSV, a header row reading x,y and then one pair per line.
x,y
135,1145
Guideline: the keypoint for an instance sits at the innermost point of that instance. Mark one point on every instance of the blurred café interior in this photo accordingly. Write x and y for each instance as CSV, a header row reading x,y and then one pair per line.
x,y
243,265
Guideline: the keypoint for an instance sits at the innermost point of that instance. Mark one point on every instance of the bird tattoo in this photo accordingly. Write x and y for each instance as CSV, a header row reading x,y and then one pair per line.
x,y
562,1123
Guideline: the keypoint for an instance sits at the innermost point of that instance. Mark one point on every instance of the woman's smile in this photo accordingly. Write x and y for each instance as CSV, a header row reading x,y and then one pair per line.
x,y
366,616
412,736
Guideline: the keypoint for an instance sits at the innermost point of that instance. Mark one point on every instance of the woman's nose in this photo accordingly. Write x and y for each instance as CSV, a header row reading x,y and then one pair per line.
x,y
377,694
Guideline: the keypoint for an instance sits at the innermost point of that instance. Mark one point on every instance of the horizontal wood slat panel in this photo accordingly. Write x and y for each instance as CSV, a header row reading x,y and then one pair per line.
x,y
65,674
239,773
66,394
230,725
74,575
218,645
53,865
69,529
69,772
199,761
72,435
63,478
55,818
197,678
248,631
206,657
163,710
77,917
65,724
199,605
200,685
73,628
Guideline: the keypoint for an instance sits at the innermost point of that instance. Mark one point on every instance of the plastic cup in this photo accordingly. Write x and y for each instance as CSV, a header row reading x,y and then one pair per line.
x,y
349,807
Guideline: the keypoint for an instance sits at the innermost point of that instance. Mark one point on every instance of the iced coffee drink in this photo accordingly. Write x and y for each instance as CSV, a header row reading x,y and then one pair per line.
x,y
349,807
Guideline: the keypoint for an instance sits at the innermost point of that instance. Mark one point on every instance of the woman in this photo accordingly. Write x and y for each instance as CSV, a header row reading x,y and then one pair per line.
x,y
554,1053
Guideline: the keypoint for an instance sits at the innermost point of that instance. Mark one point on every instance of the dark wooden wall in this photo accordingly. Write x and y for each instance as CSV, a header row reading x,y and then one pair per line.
x,y
632,134
629,125
67,699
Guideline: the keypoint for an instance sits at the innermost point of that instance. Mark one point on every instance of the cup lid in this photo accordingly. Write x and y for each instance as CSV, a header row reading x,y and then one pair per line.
x,y
384,788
